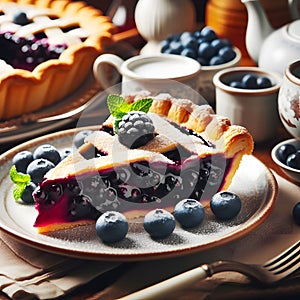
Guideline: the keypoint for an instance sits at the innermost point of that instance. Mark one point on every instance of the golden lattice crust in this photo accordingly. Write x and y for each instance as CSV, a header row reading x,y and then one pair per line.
x,y
230,140
54,79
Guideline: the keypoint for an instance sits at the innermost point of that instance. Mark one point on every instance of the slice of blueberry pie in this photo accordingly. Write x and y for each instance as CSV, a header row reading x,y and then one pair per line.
x,y
47,50
150,153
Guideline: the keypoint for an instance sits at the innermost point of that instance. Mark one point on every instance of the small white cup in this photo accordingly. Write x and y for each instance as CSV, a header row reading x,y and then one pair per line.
x,y
255,109
154,73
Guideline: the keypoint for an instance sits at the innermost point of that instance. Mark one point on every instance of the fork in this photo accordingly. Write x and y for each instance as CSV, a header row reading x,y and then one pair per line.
x,y
270,272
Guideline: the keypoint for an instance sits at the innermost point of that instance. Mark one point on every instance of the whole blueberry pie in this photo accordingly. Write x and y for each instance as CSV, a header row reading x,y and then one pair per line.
x,y
47,49
142,159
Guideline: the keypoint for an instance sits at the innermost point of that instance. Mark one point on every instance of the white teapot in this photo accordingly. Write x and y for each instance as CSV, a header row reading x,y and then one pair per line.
x,y
269,48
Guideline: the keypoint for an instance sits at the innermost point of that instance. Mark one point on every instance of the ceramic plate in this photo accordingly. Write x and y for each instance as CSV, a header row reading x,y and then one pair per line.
x,y
254,183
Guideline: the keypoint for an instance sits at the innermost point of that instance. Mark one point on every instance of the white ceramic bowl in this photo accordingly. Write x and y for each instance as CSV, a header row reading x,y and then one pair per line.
x,y
291,172
255,109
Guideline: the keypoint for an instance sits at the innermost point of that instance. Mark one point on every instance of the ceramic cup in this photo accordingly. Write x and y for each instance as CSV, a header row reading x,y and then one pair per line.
x,y
255,109
154,73
289,99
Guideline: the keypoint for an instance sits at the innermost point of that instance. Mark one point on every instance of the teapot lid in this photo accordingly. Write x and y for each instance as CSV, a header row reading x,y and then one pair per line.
x,y
294,29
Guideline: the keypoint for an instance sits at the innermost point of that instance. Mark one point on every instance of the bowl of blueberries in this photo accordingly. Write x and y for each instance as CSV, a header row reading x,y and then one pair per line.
x,y
286,155
212,52
248,97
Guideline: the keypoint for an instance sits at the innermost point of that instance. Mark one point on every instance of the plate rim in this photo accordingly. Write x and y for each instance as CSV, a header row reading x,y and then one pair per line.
x,y
251,223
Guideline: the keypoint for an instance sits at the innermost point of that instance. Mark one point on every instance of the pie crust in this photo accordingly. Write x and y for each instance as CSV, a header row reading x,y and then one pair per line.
x,y
22,91
204,140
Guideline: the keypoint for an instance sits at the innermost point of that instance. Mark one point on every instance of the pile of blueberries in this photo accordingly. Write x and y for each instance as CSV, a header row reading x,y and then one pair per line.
x,y
203,45
41,160
37,164
251,81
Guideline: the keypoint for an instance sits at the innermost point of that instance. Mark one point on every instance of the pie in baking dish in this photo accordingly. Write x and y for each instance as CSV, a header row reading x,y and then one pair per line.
x,y
47,50
193,153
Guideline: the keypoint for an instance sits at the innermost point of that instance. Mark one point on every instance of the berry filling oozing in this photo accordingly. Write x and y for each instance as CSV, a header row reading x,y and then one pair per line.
x,y
126,188
27,52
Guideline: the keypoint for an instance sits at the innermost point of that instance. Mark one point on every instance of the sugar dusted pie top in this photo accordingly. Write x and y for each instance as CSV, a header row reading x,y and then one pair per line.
x,y
193,154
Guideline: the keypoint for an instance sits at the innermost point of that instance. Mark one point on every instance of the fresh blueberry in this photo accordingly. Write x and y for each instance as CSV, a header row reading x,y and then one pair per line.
x,y
206,50
189,42
217,44
250,81
159,223
21,160
216,60
200,40
263,82
284,151
189,213
186,35
293,160
38,168
80,136
27,194
112,227
237,84
20,18
225,205
164,45
202,61
227,53
48,152
175,47
208,33
296,213
188,53
65,153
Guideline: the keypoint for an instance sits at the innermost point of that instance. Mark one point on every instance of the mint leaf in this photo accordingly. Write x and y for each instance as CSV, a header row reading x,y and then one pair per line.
x,y
115,102
20,180
17,177
19,190
141,105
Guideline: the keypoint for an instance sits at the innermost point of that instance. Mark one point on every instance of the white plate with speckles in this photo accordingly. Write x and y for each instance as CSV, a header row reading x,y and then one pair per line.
x,y
254,183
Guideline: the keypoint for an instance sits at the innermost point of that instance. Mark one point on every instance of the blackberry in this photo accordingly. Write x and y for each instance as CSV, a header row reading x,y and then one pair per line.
x,y
135,129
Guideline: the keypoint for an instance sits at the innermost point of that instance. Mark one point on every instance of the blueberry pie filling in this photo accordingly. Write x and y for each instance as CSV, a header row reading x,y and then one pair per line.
x,y
28,39
179,162
47,49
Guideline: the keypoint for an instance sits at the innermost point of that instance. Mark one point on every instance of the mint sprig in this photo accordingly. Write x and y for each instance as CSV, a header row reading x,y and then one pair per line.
x,y
20,180
118,107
